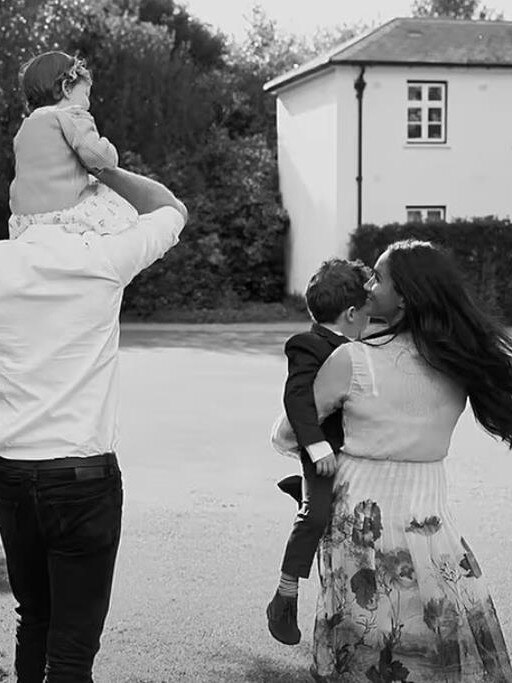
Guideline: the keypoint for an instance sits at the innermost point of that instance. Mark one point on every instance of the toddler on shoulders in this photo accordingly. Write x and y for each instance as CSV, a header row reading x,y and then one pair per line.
x,y
59,154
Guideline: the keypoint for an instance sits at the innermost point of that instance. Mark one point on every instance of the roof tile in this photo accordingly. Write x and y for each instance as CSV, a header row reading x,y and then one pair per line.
x,y
426,41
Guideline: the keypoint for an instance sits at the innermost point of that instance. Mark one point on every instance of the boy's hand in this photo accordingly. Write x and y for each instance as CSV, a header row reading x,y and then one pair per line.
x,y
326,467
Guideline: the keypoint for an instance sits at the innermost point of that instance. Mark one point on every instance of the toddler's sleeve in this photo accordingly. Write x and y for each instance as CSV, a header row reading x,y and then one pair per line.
x,y
94,152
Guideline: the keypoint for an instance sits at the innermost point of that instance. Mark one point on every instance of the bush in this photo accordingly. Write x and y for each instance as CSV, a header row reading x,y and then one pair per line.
x,y
233,246
482,248
278,312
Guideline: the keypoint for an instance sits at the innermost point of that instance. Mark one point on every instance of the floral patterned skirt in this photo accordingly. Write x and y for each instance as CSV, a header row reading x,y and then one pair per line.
x,y
100,209
401,596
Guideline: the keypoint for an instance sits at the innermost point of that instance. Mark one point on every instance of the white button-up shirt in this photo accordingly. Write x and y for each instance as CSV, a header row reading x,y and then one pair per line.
x,y
60,296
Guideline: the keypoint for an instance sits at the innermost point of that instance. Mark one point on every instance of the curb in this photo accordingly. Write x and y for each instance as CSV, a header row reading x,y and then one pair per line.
x,y
216,327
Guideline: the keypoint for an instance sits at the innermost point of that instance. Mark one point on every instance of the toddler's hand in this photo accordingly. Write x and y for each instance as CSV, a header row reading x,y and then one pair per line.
x,y
326,467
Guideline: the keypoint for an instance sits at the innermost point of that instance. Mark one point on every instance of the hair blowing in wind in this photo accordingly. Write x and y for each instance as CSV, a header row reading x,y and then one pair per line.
x,y
452,332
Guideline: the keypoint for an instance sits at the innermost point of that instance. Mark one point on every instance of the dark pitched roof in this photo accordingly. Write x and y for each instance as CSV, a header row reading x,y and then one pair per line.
x,y
425,41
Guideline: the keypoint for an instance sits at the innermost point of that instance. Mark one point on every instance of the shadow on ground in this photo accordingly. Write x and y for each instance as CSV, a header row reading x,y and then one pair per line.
x,y
255,668
258,668
264,670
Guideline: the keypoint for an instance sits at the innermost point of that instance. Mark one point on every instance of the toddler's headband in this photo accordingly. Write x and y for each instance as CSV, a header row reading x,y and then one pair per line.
x,y
76,71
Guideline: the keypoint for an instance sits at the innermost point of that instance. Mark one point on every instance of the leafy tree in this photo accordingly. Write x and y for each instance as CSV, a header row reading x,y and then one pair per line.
x,y
232,250
205,48
454,9
267,52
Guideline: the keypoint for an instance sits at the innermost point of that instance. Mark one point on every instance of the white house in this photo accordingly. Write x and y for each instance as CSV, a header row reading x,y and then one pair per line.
x,y
410,121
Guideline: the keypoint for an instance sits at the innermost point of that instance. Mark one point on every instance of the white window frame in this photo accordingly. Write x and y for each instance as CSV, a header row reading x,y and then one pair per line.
x,y
423,210
424,105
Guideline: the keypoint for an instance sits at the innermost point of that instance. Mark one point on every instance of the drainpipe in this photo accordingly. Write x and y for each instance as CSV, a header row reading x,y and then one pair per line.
x,y
360,85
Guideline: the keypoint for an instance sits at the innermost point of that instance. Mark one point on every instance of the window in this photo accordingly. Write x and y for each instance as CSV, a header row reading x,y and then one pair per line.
x,y
425,214
426,112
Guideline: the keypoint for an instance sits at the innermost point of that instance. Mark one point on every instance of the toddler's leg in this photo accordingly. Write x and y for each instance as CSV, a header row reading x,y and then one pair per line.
x,y
300,551
310,522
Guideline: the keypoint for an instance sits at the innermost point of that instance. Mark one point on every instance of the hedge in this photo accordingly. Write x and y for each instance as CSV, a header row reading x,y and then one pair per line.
x,y
482,247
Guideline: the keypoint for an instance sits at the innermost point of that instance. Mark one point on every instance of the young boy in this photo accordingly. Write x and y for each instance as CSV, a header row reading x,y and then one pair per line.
x,y
336,301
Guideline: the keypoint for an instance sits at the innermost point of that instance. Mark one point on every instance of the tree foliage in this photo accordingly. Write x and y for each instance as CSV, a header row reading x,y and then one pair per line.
x,y
189,35
267,52
186,107
454,9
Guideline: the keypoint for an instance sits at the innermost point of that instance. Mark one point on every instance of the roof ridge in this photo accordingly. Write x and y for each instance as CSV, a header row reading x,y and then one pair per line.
x,y
352,42
325,58
421,40
369,37
451,20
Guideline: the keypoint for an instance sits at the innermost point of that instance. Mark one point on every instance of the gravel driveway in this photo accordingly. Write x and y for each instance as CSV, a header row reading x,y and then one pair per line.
x,y
204,524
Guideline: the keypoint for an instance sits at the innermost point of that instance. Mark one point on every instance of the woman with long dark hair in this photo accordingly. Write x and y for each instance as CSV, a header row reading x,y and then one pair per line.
x,y
401,597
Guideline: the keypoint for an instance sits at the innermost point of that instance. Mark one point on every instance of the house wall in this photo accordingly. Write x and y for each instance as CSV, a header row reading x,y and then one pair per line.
x,y
317,124
308,157
470,174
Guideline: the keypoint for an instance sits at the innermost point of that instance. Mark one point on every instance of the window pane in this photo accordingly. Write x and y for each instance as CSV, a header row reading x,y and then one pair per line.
x,y
413,130
435,93
434,215
414,92
434,132
413,216
435,114
414,114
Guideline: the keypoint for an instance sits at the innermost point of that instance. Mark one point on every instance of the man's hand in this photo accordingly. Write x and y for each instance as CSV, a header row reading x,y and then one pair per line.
x,y
326,467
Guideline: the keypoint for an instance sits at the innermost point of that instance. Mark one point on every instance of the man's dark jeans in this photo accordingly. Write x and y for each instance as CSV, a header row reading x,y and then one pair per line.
x,y
60,529
310,522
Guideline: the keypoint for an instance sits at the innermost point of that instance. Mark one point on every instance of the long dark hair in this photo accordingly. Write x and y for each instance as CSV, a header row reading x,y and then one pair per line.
x,y
452,332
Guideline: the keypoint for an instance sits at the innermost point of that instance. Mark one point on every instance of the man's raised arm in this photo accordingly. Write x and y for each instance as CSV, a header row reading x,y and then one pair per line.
x,y
143,193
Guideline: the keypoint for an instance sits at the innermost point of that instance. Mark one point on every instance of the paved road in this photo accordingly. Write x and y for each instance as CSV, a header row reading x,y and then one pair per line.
x,y
204,525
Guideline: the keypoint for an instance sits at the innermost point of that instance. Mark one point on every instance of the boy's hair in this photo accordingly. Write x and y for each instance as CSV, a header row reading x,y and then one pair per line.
x,y
336,286
43,77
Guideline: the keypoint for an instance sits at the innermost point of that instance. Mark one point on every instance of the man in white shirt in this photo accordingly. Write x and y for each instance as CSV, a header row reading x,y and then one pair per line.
x,y
60,484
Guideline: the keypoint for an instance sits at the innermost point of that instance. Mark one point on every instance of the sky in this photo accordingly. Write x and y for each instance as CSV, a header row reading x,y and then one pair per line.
x,y
303,17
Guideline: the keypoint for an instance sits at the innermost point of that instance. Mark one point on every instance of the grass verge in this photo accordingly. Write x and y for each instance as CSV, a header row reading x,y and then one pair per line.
x,y
291,309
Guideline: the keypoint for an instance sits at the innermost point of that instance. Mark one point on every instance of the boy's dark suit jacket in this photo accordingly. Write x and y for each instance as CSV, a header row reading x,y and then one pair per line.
x,y
306,352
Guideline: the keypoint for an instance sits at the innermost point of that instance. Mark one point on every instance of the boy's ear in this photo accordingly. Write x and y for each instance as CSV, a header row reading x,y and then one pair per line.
x,y
66,90
349,313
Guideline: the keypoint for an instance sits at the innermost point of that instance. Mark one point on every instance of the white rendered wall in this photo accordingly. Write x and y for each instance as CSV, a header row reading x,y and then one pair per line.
x,y
317,123
471,174
308,170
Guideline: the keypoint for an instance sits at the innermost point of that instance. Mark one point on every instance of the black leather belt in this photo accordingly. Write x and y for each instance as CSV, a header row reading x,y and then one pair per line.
x,y
89,467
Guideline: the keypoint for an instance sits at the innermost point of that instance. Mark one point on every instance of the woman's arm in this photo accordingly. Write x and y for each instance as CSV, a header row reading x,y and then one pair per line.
x,y
333,382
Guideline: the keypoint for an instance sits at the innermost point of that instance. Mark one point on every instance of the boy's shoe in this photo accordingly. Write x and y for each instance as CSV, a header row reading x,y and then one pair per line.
x,y
292,485
282,619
